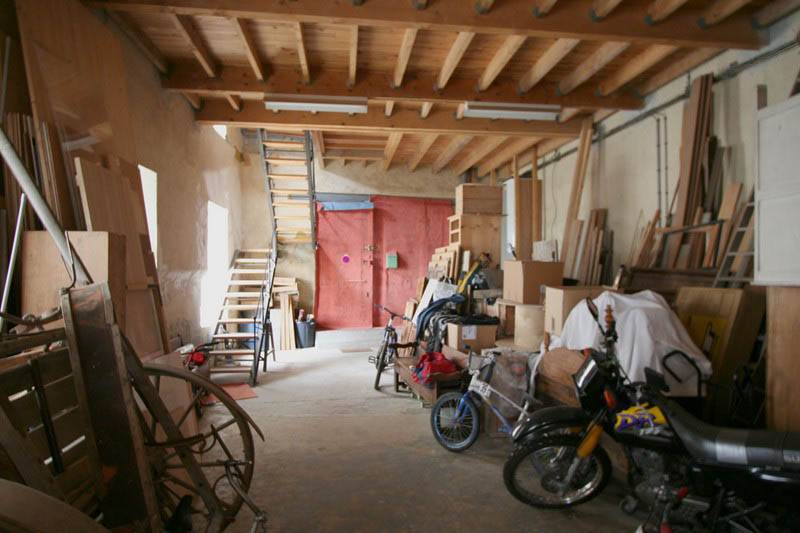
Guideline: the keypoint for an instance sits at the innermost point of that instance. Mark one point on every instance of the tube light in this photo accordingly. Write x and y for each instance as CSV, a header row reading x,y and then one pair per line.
x,y
316,104
511,111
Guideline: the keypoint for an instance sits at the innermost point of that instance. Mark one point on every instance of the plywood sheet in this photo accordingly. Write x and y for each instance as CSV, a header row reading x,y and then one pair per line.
x,y
143,328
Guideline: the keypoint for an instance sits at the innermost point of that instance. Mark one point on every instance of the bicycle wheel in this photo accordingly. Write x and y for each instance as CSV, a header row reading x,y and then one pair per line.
x,y
455,421
534,474
380,363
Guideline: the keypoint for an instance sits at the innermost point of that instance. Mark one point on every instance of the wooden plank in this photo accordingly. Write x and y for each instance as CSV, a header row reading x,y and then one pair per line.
x,y
537,196
515,148
678,68
500,60
453,58
302,57
352,65
590,66
391,149
636,66
442,121
422,149
241,28
509,16
783,372
185,26
576,191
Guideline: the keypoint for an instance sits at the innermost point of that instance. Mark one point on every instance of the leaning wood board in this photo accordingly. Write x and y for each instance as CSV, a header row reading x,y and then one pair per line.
x,y
783,372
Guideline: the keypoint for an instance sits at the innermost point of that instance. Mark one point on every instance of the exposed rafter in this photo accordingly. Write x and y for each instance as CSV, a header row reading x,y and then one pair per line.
x,y
353,59
643,61
391,148
504,155
424,145
442,121
302,57
552,57
475,156
569,113
591,66
507,17
774,11
453,58
375,86
234,101
406,46
661,9
194,100
141,40
425,110
602,8
542,7
483,6
389,108
678,68
500,60
318,141
719,11
249,48
185,27
456,145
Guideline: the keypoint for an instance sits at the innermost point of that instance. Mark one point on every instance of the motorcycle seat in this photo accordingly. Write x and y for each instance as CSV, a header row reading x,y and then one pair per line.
x,y
733,447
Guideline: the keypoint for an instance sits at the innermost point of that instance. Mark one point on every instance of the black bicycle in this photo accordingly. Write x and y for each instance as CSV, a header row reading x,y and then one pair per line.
x,y
388,349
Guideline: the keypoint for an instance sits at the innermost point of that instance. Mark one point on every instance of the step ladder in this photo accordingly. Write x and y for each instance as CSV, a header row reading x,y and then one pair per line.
x,y
289,171
243,332
735,271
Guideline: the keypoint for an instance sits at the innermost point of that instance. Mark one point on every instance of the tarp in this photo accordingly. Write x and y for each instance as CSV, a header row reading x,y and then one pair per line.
x,y
647,329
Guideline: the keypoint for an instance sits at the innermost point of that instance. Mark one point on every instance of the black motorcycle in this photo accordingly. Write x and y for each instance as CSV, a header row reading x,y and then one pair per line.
x,y
691,476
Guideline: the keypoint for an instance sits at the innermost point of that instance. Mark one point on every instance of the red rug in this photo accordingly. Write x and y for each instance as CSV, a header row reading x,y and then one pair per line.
x,y
237,391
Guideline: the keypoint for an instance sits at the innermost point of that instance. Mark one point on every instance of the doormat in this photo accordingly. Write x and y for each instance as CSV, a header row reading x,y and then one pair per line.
x,y
238,391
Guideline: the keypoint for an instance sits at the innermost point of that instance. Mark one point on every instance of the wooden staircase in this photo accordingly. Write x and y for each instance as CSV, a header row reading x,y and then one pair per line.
x,y
239,328
290,185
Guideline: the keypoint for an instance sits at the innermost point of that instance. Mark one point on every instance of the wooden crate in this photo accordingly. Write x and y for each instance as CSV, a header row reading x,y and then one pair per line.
x,y
475,198
477,234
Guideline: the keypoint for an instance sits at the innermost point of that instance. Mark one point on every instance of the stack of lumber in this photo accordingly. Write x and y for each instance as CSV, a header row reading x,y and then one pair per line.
x,y
593,249
444,262
19,129
287,335
409,329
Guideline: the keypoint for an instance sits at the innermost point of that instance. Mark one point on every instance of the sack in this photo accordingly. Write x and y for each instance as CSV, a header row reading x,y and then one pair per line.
x,y
432,363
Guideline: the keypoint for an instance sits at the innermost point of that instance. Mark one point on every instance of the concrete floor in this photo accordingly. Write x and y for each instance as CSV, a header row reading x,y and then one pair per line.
x,y
340,456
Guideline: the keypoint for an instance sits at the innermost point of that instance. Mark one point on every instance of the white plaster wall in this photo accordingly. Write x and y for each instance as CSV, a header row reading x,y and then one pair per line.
x,y
194,166
356,178
622,168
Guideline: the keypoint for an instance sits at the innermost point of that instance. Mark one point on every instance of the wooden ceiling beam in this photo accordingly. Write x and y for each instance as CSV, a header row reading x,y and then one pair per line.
x,y
389,108
442,121
505,155
552,57
457,50
234,101
249,48
591,66
458,143
194,100
677,68
542,7
636,66
719,11
406,46
602,8
483,6
318,142
569,113
500,60
506,17
476,155
185,26
774,11
141,40
425,110
391,149
661,9
185,77
302,57
353,59
424,145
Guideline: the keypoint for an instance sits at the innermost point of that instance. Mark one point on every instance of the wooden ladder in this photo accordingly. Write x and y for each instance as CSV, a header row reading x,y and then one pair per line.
x,y
289,171
738,259
248,276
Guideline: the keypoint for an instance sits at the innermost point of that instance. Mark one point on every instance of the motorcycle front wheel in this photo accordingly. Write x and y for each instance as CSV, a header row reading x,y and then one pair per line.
x,y
537,473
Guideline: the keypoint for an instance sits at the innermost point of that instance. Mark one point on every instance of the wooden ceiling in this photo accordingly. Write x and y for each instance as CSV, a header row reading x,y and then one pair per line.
x,y
417,61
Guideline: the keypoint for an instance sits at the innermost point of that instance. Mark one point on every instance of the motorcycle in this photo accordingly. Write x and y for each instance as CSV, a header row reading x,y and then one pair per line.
x,y
691,476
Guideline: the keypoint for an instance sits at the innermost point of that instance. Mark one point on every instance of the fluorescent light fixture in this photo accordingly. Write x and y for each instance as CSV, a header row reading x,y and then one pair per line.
x,y
316,104
511,111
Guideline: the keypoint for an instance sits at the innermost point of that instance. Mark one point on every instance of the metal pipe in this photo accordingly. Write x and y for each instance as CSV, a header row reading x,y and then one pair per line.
x,y
658,164
664,215
12,261
41,208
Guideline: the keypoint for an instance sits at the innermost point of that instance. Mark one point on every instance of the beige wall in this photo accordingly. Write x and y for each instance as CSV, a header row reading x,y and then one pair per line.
x,y
622,169
355,178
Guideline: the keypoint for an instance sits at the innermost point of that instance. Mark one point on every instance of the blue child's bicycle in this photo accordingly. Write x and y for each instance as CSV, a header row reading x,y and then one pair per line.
x,y
455,419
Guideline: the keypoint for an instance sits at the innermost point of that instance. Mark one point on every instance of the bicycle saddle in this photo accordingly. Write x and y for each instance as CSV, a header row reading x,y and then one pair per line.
x,y
728,446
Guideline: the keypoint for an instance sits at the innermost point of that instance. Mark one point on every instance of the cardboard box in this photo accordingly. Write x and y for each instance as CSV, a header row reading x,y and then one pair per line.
x,y
474,198
523,280
477,337
559,301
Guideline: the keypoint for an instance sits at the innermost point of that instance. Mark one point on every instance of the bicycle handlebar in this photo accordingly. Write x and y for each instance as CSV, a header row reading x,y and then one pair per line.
x,y
392,313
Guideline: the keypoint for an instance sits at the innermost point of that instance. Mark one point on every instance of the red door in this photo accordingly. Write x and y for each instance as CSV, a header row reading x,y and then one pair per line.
x,y
344,269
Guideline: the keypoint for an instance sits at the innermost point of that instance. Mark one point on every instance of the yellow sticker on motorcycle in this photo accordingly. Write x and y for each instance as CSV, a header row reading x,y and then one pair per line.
x,y
639,417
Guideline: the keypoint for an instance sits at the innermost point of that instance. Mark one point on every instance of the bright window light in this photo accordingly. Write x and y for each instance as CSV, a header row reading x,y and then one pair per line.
x,y
150,193
213,283
221,130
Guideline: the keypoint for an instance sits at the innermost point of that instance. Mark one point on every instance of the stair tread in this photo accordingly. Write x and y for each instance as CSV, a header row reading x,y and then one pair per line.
x,y
253,260
235,336
249,271
235,320
255,250
245,283
231,351
240,307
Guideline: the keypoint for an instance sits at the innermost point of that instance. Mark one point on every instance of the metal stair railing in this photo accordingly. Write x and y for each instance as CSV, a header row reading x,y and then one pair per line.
x,y
264,342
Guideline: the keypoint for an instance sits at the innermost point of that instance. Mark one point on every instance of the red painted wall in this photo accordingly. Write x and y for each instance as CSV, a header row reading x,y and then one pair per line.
x,y
410,227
